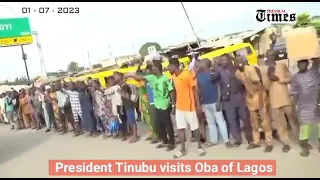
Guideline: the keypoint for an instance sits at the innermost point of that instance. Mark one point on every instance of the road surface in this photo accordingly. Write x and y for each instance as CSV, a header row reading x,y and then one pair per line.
x,y
26,153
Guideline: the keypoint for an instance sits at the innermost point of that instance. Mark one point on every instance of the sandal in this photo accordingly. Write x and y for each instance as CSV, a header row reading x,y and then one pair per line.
x,y
209,144
154,141
179,154
134,140
201,152
162,145
78,134
170,147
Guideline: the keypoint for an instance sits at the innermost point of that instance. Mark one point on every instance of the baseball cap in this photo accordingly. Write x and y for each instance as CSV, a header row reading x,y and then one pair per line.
x,y
153,57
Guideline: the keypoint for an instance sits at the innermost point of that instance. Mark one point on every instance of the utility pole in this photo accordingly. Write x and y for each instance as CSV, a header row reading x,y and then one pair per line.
x,y
193,31
24,55
39,47
89,61
88,52
110,52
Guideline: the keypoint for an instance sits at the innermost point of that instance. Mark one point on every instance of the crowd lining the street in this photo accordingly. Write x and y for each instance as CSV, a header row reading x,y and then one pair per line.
x,y
216,94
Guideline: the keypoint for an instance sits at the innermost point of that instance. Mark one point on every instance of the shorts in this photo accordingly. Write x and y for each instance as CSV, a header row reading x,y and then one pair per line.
x,y
131,116
183,118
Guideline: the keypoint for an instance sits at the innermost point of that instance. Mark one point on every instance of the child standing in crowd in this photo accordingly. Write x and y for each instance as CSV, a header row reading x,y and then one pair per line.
x,y
112,92
128,98
100,104
304,88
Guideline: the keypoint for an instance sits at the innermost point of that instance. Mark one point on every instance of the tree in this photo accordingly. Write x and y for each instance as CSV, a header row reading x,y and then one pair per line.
x,y
96,66
73,66
144,50
304,20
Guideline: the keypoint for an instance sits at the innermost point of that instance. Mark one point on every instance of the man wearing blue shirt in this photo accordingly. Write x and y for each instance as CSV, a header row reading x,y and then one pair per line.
x,y
211,105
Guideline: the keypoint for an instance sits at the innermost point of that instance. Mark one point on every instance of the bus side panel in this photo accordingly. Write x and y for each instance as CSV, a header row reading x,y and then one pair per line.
x,y
253,57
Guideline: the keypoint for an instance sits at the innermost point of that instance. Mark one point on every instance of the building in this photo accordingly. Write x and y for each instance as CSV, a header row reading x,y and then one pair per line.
x,y
107,62
125,59
258,38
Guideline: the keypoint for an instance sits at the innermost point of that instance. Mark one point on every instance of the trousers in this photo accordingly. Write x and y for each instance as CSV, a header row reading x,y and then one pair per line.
x,y
265,124
279,116
165,126
234,115
215,118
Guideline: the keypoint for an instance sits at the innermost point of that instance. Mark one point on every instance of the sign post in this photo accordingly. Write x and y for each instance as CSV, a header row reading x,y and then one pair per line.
x,y
14,32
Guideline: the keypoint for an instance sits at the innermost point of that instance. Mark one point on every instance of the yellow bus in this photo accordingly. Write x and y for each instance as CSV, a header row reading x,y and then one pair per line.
x,y
244,49
102,75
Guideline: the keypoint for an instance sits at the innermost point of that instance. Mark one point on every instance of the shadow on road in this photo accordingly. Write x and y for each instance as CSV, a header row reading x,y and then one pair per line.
x,y
14,144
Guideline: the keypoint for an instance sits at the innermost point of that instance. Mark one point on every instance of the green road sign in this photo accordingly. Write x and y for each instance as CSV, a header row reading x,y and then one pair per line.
x,y
14,27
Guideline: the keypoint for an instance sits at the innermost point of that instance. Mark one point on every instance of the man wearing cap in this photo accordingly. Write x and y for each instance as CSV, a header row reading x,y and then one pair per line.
x,y
256,101
304,88
276,82
233,100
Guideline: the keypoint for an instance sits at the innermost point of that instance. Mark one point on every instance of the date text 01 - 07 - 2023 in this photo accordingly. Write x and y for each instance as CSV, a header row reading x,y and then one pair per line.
x,y
45,10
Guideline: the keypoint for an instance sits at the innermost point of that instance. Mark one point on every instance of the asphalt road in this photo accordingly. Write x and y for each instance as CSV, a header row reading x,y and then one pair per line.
x,y
25,153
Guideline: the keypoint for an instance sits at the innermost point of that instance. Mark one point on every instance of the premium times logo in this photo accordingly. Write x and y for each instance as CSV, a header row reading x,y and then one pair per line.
x,y
276,16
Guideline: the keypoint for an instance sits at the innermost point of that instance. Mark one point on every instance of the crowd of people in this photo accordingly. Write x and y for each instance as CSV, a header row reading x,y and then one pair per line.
x,y
217,94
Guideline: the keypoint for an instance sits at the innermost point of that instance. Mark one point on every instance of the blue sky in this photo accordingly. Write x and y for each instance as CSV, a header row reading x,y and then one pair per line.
x,y
125,26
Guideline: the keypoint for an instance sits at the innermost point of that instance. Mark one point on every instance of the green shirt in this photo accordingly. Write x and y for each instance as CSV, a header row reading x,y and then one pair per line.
x,y
8,104
161,87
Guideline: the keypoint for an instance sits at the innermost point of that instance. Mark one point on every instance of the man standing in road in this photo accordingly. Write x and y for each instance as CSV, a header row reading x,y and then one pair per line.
x,y
162,89
233,100
256,101
210,98
279,76
187,105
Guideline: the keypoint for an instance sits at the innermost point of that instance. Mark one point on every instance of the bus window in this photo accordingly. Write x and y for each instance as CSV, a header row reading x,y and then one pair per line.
x,y
244,52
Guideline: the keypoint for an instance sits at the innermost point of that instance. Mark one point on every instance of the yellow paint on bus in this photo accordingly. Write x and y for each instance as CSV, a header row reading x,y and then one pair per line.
x,y
232,50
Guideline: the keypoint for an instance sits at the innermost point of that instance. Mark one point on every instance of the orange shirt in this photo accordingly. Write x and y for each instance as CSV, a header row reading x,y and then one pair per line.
x,y
184,83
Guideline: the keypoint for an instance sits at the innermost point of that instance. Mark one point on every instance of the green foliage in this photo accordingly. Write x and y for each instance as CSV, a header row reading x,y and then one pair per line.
x,y
73,66
304,20
96,66
144,48
17,81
